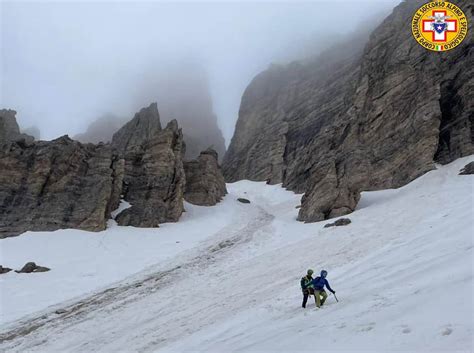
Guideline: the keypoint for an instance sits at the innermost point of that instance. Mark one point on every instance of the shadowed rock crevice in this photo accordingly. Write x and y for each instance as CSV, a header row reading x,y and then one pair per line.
x,y
456,131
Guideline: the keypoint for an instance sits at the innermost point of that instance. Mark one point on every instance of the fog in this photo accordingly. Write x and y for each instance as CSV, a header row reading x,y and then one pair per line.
x,y
65,64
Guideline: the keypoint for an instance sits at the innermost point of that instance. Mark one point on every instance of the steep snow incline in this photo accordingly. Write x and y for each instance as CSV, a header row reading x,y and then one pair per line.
x,y
82,261
402,271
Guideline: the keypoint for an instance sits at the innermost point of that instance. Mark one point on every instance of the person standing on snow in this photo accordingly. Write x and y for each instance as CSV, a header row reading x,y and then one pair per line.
x,y
318,284
306,286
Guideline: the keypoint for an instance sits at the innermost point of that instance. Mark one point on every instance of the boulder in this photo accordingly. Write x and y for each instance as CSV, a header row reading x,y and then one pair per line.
x,y
338,223
240,199
31,267
468,169
4,270
41,269
205,184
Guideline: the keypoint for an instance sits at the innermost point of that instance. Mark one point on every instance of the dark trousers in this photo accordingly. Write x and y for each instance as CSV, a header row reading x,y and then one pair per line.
x,y
306,293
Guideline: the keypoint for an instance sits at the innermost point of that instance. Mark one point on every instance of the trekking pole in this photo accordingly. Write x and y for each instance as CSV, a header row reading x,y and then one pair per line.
x,y
335,297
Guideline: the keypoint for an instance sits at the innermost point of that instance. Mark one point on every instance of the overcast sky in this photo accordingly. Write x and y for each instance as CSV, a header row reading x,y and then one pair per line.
x,y
63,64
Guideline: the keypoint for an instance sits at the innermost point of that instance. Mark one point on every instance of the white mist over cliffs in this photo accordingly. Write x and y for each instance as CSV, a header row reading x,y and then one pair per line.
x,y
65,64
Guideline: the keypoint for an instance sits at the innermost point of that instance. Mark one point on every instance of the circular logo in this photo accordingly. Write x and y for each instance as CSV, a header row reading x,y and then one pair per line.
x,y
439,26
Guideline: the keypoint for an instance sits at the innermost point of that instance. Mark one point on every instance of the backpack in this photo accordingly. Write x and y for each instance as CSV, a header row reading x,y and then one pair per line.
x,y
305,282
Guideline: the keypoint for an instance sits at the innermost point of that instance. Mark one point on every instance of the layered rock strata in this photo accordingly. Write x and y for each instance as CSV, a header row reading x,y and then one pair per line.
x,y
205,183
356,118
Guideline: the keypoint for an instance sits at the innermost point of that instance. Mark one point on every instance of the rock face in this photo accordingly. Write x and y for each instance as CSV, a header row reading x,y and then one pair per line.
x,y
205,183
9,129
361,119
56,184
154,179
49,185
468,169
139,130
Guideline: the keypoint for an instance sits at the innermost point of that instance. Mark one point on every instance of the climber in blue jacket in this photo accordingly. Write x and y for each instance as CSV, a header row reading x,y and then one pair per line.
x,y
319,292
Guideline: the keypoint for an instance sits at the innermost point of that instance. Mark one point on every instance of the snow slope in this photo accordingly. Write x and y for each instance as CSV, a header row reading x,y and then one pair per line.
x,y
402,271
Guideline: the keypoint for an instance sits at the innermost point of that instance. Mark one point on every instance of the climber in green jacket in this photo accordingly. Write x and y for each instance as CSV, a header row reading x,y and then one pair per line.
x,y
307,286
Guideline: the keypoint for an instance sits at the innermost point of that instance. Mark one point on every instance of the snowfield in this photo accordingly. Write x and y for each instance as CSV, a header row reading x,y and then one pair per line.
x,y
226,278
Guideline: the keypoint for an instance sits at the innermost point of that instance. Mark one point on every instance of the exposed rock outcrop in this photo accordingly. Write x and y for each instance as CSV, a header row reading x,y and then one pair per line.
x,y
338,223
154,178
9,129
205,183
242,200
49,185
364,119
468,169
31,267
141,129
4,270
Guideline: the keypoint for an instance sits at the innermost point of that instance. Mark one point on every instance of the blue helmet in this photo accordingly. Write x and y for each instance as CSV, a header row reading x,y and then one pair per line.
x,y
324,273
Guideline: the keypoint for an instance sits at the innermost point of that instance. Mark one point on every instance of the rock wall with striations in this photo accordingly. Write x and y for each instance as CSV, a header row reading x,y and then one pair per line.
x,y
356,119
154,178
50,185
205,184
56,184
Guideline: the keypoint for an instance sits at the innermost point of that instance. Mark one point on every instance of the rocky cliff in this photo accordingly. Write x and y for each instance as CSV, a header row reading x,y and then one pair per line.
x,y
154,176
356,118
49,185
205,184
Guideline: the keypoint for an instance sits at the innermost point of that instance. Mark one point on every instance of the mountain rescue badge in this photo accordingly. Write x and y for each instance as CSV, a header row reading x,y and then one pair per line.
x,y
439,26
